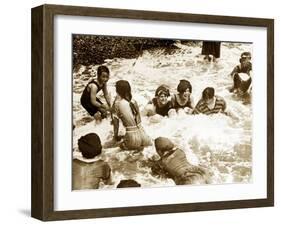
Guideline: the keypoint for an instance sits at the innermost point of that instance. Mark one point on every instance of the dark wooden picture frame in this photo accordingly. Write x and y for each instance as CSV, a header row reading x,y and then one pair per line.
x,y
42,203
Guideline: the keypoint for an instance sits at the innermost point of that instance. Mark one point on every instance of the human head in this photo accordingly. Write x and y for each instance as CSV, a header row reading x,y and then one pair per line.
x,y
163,144
245,57
162,93
128,183
103,74
90,145
123,89
183,86
208,94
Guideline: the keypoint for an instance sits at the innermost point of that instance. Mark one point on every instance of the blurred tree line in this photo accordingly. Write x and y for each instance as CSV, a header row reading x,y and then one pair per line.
x,y
91,49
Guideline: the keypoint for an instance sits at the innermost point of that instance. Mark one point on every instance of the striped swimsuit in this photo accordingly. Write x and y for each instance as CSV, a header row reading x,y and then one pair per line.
x,y
203,108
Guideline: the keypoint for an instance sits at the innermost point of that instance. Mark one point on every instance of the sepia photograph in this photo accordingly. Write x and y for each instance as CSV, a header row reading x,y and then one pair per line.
x,y
151,112
148,112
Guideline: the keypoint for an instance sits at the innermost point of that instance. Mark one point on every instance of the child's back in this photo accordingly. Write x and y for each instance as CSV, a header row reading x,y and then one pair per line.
x,y
86,171
87,175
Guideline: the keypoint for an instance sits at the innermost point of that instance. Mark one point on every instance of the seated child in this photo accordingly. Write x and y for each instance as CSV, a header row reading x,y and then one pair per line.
x,y
174,161
89,99
126,109
242,74
87,172
159,105
183,100
210,103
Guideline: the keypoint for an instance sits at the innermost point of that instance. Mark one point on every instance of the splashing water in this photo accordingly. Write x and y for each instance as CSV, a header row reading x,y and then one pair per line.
x,y
219,143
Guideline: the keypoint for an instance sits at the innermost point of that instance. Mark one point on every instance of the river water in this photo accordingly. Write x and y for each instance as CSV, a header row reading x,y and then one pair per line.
x,y
220,143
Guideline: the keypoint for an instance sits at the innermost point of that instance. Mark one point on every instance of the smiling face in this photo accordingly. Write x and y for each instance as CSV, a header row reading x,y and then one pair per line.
x,y
162,99
185,94
103,78
245,58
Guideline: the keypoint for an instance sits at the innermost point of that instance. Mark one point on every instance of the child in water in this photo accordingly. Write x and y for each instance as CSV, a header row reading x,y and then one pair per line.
x,y
160,104
89,99
88,172
126,109
183,100
174,162
241,74
210,103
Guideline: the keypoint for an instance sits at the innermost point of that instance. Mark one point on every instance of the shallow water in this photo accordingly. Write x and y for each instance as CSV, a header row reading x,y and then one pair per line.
x,y
219,143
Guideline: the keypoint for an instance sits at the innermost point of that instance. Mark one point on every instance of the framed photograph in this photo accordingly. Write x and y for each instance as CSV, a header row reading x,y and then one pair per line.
x,y
141,112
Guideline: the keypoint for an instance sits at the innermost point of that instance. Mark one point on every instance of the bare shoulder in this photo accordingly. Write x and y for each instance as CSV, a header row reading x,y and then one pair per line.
x,y
92,87
121,103
134,101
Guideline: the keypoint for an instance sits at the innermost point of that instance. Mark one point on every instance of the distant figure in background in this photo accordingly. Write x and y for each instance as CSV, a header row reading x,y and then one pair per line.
x,y
89,99
174,162
210,48
87,172
128,184
242,74
183,101
160,105
210,103
127,109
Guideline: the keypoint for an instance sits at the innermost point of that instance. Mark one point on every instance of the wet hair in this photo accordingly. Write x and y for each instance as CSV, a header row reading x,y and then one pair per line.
x,y
90,145
184,85
162,90
102,69
245,55
163,144
128,183
208,93
123,88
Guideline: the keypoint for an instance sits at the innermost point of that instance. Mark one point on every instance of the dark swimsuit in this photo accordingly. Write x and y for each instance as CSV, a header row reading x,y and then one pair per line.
x,y
177,105
162,110
238,83
86,99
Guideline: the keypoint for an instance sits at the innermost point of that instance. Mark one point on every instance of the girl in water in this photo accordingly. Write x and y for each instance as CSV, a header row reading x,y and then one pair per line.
x,y
126,109
210,103
160,106
242,74
183,99
173,160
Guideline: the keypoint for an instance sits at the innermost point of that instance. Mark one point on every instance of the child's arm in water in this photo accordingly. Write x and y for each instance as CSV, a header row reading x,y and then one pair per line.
x,y
190,110
149,110
230,113
93,90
